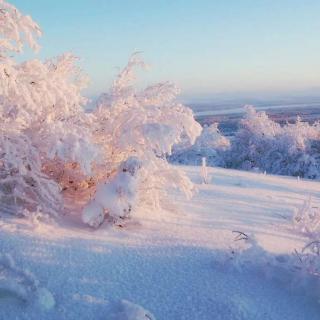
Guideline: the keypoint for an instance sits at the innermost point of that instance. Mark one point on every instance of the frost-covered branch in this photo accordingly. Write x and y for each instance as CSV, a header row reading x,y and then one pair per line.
x,y
56,157
16,29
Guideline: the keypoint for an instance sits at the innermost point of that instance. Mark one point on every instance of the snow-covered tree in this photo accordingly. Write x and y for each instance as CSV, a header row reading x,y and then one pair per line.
x,y
42,119
16,29
54,155
261,143
211,144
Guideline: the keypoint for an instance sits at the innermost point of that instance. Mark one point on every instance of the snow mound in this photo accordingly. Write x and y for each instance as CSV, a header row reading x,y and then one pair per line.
x,y
116,197
45,299
20,286
126,310
237,308
15,283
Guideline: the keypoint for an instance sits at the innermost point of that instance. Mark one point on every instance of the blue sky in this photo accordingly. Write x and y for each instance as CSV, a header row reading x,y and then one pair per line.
x,y
205,46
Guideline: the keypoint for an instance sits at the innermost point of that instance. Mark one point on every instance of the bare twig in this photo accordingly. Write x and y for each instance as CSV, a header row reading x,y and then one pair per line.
x,y
314,246
298,255
240,235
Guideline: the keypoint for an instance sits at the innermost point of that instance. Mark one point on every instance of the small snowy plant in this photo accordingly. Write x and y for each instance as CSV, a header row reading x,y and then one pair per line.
x,y
204,171
307,219
309,259
56,157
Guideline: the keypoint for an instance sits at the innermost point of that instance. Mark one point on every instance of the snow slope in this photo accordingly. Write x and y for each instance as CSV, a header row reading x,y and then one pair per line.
x,y
182,263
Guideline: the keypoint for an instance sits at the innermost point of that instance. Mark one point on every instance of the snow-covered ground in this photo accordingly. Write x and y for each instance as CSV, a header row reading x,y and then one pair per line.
x,y
183,263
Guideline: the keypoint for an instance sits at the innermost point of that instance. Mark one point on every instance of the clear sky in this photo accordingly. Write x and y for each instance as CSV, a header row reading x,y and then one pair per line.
x,y
205,46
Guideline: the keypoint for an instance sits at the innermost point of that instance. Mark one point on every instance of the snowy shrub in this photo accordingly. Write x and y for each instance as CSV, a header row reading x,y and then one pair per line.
x,y
307,219
309,259
16,28
299,269
54,156
211,144
136,130
262,144
247,254
23,185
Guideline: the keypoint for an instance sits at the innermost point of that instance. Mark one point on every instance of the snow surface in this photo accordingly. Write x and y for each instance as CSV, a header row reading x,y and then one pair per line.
x,y
177,264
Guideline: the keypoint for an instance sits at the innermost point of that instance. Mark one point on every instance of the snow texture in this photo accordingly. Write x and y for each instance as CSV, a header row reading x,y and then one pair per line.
x,y
189,262
126,310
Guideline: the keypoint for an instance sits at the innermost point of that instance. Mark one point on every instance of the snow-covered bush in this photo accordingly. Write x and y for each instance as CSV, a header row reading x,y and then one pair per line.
x,y
136,130
307,219
112,159
300,267
262,144
15,29
211,144
23,185
42,121
309,259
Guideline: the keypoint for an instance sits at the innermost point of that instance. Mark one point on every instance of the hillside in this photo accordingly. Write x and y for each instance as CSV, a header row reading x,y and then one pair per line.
x,y
184,263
